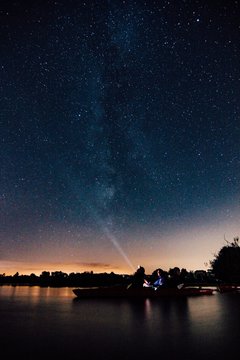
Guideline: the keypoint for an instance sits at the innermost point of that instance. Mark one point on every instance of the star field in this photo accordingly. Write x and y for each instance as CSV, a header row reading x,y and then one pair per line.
x,y
119,132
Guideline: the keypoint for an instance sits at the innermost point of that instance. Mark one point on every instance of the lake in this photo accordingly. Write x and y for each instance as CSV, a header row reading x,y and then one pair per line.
x,y
50,323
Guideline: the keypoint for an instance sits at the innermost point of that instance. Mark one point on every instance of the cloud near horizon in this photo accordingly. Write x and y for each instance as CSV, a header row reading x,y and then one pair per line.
x,y
11,267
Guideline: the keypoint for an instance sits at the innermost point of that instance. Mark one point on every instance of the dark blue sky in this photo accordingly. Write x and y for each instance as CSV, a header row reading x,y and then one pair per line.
x,y
116,116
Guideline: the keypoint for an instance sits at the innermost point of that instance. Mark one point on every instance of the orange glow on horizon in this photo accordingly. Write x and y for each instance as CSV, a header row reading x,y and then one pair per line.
x,y
12,267
189,247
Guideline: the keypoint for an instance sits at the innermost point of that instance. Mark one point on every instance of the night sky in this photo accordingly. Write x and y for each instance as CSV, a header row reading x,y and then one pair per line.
x,y
119,134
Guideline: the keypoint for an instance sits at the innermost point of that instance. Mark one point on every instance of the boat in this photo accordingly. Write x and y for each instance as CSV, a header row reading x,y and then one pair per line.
x,y
144,292
225,288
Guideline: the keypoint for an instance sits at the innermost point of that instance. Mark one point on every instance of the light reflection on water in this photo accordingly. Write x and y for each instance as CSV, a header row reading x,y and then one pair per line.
x,y
47,322
35,291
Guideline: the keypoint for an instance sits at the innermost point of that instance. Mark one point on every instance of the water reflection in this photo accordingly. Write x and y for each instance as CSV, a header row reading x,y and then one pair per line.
x,y
54,322
35,292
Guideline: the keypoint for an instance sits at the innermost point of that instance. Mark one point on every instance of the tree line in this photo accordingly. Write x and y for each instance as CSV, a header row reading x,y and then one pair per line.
x,y
225,267
226,263
59,278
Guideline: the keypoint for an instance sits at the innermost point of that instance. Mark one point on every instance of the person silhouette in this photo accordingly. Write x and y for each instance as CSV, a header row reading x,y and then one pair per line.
x,y
160,278
138,277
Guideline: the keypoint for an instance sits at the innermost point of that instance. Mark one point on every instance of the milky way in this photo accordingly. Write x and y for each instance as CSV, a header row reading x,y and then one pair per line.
x,y
119,131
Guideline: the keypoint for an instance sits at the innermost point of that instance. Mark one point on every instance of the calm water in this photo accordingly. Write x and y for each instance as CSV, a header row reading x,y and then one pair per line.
x,y
47,323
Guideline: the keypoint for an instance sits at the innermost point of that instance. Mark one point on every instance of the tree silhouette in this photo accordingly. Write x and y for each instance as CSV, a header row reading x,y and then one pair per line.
x,y
226,264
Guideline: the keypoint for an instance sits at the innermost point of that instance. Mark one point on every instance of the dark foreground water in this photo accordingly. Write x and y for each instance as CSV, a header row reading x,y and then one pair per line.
x,y
50,323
